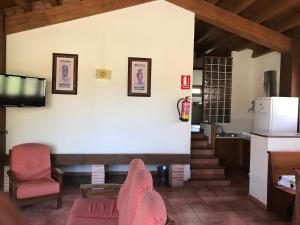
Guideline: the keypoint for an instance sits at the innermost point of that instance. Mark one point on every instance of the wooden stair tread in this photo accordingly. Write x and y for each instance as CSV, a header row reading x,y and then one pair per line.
x,y
209,178
203,156
206,166
202,149
208,147
199,138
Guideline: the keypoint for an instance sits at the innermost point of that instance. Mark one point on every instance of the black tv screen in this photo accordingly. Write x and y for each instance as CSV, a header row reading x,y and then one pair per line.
x,y
22,91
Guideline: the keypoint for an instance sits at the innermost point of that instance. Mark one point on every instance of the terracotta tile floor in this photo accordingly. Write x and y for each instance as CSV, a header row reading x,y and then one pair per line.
x,y
186,206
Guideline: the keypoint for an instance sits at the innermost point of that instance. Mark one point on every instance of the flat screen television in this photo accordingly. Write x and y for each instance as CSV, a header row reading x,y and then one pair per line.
x,y
21,91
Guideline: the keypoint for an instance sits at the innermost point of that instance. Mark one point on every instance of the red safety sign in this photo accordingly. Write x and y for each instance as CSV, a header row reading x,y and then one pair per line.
x,y
185,82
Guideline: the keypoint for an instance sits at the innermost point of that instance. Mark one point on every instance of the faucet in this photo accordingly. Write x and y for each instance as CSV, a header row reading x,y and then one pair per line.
x,y
219,127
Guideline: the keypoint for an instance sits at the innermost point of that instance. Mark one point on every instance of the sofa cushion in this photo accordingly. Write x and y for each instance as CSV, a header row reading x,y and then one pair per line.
x,y
94,208
151,210
91,221
31,161
135,165
142,181
35,188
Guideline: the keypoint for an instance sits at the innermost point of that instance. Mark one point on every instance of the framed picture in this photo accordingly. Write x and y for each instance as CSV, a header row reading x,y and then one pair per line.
x,y
139,77
64,73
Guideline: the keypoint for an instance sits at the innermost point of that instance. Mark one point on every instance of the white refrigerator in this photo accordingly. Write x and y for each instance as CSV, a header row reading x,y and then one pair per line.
x,y
276,114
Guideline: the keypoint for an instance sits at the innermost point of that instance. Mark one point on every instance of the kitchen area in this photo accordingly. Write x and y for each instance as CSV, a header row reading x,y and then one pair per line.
x,y
247,127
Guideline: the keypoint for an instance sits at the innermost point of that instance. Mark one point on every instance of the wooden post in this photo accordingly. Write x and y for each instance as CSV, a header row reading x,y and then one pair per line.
x,y
213,136
2,109
290,71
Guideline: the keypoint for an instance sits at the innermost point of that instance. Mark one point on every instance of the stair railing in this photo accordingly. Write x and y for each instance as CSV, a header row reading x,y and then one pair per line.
x,y
213,135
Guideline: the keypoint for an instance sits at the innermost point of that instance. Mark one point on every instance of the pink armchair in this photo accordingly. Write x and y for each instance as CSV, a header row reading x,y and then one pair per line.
x,y
31,177
91,211
151,210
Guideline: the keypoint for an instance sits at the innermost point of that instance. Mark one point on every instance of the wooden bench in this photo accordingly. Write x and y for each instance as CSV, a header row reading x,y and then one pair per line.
x,y
281,199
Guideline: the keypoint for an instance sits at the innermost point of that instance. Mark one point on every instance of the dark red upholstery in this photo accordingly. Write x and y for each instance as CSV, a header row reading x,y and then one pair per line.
x,y
94,208
30,173
35,188
31,162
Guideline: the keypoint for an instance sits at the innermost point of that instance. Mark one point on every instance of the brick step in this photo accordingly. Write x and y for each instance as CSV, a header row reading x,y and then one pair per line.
x,y
201,147
207,166
195,144
195,153
216,170
208,181
205,138
204,161
197,135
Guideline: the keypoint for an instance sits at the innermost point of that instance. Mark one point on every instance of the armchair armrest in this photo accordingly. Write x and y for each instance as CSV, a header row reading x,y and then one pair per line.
x,y
12,176
57,174
13,180
107,190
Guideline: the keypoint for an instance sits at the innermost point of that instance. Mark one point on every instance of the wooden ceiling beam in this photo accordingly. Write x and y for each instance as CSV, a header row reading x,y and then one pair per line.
x,y
276,8
55,2
244,4
237,9
227,48
2,44
236,24
213,1
288,23
219,44
24,4
259,51
65,12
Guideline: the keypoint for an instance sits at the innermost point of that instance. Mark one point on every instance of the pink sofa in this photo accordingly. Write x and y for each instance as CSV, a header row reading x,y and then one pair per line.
x,y
132,204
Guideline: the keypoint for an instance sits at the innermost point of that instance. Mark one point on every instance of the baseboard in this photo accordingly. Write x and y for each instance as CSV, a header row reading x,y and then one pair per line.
x,y
257,202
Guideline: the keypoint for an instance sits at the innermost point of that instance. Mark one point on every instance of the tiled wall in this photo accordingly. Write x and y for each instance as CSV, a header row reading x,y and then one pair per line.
x,y
98,174
6,179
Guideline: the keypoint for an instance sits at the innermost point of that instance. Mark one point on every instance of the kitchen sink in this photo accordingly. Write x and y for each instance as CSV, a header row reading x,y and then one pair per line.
x,y
228,135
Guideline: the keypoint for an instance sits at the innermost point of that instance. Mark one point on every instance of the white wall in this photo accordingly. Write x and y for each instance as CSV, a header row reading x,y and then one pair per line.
x,y
102,118
265,63
247,85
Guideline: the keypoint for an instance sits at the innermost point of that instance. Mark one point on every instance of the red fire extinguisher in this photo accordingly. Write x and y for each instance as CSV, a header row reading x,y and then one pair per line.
x,y
184,113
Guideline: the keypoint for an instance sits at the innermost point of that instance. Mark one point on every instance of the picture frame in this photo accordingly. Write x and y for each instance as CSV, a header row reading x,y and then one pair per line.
x,y
139,77
64,73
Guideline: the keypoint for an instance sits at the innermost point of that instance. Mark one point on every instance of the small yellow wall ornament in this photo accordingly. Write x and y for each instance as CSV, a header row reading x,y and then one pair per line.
x,y
103,74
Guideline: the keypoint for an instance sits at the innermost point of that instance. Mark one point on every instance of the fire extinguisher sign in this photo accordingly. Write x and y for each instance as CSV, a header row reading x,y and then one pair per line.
x,y
185,82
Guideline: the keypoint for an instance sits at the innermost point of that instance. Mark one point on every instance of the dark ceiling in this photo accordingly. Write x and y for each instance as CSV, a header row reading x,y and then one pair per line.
x,y
280,15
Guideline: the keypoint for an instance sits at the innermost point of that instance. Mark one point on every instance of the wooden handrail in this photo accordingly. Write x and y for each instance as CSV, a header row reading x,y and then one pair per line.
x,y
213,136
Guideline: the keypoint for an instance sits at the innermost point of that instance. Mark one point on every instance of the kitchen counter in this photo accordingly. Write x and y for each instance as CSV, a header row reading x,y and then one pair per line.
x,y
276,135
261,144
234,152
242,135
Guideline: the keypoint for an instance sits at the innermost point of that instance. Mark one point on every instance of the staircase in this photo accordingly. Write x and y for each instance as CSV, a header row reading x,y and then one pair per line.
x,y
205,167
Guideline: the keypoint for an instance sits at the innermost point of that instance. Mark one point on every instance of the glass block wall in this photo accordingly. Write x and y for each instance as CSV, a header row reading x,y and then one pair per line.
x,y
217,85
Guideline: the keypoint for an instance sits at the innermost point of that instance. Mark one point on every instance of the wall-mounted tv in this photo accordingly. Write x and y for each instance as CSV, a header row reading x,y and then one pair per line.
x,y
22,91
